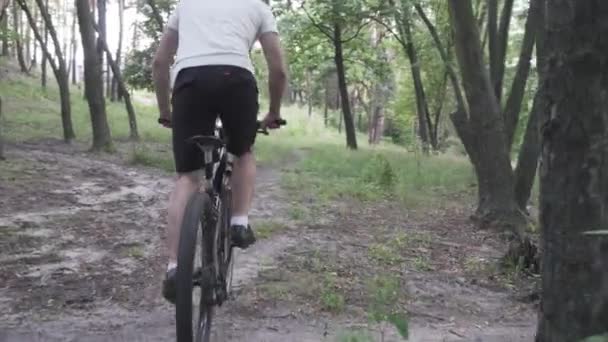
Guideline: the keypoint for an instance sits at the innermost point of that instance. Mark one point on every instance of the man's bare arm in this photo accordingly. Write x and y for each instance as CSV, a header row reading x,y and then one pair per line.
x,y
277,72
161,73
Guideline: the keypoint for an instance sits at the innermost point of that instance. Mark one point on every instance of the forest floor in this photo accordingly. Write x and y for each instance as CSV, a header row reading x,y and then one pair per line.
x,y
81,249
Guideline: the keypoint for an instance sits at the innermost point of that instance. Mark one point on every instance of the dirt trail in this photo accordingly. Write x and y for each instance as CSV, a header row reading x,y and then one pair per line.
x,y
82,260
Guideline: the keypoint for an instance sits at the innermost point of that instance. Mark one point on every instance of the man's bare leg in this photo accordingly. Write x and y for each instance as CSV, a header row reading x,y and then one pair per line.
x,y
243,184
185,186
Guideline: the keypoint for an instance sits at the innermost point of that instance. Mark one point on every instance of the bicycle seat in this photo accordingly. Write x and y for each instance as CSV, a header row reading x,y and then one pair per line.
x,y
206,142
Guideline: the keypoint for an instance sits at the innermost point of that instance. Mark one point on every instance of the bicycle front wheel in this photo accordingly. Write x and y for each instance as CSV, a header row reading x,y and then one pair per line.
x,y
193,309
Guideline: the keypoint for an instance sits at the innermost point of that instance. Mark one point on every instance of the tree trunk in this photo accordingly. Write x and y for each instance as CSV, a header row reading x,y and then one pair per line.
x,y
325,109
4,30
574,173
102,35
116,93
45,42
134,135
17,39
74,48
28,48
34,60
403,20
516,95
93,78
61,71
1,136
527,160
349,125
501,45
483,131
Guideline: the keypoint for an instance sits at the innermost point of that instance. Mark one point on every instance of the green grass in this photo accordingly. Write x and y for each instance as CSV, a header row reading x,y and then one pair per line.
x,y
331,298
266,229
326,170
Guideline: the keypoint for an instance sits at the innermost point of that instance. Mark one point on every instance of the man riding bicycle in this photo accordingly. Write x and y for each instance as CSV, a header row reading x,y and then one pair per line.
x,y
213,76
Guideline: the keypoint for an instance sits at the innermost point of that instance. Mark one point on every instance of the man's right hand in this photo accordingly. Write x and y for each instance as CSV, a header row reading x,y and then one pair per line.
x,y
271,121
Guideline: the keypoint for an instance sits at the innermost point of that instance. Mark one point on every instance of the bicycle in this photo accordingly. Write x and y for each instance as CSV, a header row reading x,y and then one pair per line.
x,y
205,238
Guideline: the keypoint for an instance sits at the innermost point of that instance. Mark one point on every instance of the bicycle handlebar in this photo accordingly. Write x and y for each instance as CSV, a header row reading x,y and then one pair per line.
x,y
278,123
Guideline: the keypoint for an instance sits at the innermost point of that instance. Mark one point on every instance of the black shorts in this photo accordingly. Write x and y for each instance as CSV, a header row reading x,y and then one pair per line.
x,y
203,93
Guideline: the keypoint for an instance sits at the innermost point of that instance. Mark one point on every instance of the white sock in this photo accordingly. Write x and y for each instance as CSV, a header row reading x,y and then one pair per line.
x,y
239,221
171,266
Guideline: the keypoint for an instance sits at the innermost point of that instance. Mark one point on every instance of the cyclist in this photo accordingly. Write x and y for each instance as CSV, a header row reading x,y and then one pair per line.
x,y
213,75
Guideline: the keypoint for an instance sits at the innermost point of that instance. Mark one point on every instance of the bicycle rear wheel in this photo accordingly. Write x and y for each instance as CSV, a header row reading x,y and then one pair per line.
x,y
194,310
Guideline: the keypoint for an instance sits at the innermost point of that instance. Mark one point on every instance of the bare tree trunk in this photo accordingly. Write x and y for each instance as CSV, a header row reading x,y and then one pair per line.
x,y
483,130
74,48
134,135
59,67
527,159
60,73
4,30
574,173
309,92
28,48
325,109
116,93
516,95
2,157
501,45
93,78
34,60
17,39
102,35
403,20
351,137
44,57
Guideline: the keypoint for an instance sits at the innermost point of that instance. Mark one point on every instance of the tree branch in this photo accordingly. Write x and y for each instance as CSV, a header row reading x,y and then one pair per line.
x,y
324,29
444,57
518,87
356,34
390,30
45,50
493,38
502,43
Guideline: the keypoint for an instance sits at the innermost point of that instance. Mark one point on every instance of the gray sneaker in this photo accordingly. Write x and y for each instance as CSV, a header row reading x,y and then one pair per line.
x,y
169,286
242,237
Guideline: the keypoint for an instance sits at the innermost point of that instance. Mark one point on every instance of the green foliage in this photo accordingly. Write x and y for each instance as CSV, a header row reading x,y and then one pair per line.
x,y
381,173
385,254
354,336
331,299
597,338
384,294
138,68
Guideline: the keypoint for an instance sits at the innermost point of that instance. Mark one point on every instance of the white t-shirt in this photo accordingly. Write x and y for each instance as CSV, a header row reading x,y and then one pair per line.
x,y
220,32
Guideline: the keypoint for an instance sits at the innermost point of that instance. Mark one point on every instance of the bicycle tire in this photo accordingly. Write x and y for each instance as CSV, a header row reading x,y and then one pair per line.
x,y
196,218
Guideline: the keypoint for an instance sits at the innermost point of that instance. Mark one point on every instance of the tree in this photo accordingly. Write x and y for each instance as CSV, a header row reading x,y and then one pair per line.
x,y
93,78
1,138
101,33
334,19
117,94
574,173
17,36
3,18
134,135
57,63
73,48
4,32
44,55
